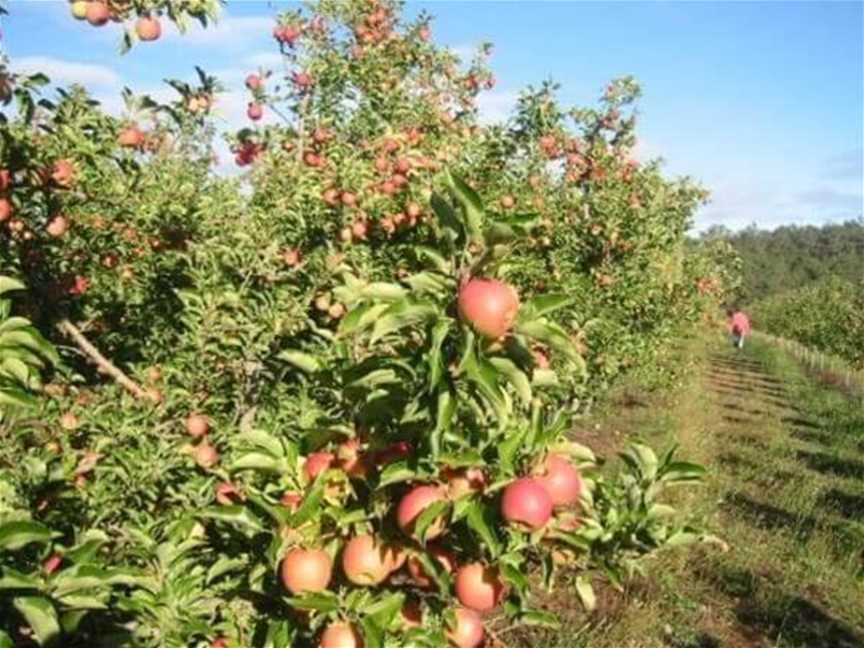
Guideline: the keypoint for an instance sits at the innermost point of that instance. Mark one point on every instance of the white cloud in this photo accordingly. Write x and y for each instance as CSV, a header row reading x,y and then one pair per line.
x,y
64,72
236,32
496,105
266,60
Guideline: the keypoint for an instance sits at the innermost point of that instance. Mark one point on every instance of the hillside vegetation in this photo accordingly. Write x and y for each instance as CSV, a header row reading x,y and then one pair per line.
x,y
792,257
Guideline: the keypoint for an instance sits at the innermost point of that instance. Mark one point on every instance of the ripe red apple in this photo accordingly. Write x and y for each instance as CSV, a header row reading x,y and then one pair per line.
x,y
306,570
291,500
331,197
98,13
57,226
468,629
321,135
367,561
415,567
226,493
561,480
5,209
52,563
206,456
254,82
302,80
68,421
219,642
312,159
424,33
131,137
197,425
349,199
359,229
340,635
489,306
507,202
393,452
478,587
526,501
413,504
63,173
254,111
5,179
351,459
316,463
148,28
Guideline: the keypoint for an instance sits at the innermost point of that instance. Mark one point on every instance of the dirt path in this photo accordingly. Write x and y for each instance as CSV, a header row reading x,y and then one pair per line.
x,y
786,492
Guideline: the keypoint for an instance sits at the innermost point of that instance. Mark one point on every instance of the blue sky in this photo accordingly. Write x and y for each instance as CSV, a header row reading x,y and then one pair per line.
x,y
761,101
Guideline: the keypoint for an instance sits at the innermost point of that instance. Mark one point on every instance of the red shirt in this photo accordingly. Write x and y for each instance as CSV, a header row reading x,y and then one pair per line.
x,y
739,323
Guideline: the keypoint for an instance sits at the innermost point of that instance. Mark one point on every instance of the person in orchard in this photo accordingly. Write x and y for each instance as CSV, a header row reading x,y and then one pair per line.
x,y
738,325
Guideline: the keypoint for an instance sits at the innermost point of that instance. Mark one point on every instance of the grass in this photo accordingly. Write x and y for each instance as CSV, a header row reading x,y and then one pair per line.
x,y
785,491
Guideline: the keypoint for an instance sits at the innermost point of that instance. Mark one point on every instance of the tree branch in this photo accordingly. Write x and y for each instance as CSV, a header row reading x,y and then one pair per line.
x,y
104,364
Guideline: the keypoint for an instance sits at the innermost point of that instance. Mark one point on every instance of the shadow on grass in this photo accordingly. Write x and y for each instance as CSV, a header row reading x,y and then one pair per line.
x,y
768,516
735,407
812,437
798,622
738,420
735,462
829,464
847,504
800,422
769,612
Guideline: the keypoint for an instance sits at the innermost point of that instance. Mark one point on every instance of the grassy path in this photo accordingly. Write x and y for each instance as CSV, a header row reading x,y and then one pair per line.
x,y
786,492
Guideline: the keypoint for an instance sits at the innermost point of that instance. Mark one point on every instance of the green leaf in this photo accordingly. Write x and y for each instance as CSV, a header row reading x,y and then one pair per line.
x,y
361,317
77,578
481,520
325,602
396,472
8,283
373,633
471,205
15,397
12,579
40,615
303,361
539,618
236,515
436,366
515,377
586,593
543,305
444,410
5,640
311,502
429,515
17,534
441,264
480,372
386,609
553,336
446,214
405,312
260,461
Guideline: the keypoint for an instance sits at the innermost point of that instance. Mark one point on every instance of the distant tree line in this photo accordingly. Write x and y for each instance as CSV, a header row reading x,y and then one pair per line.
x,y
793,257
